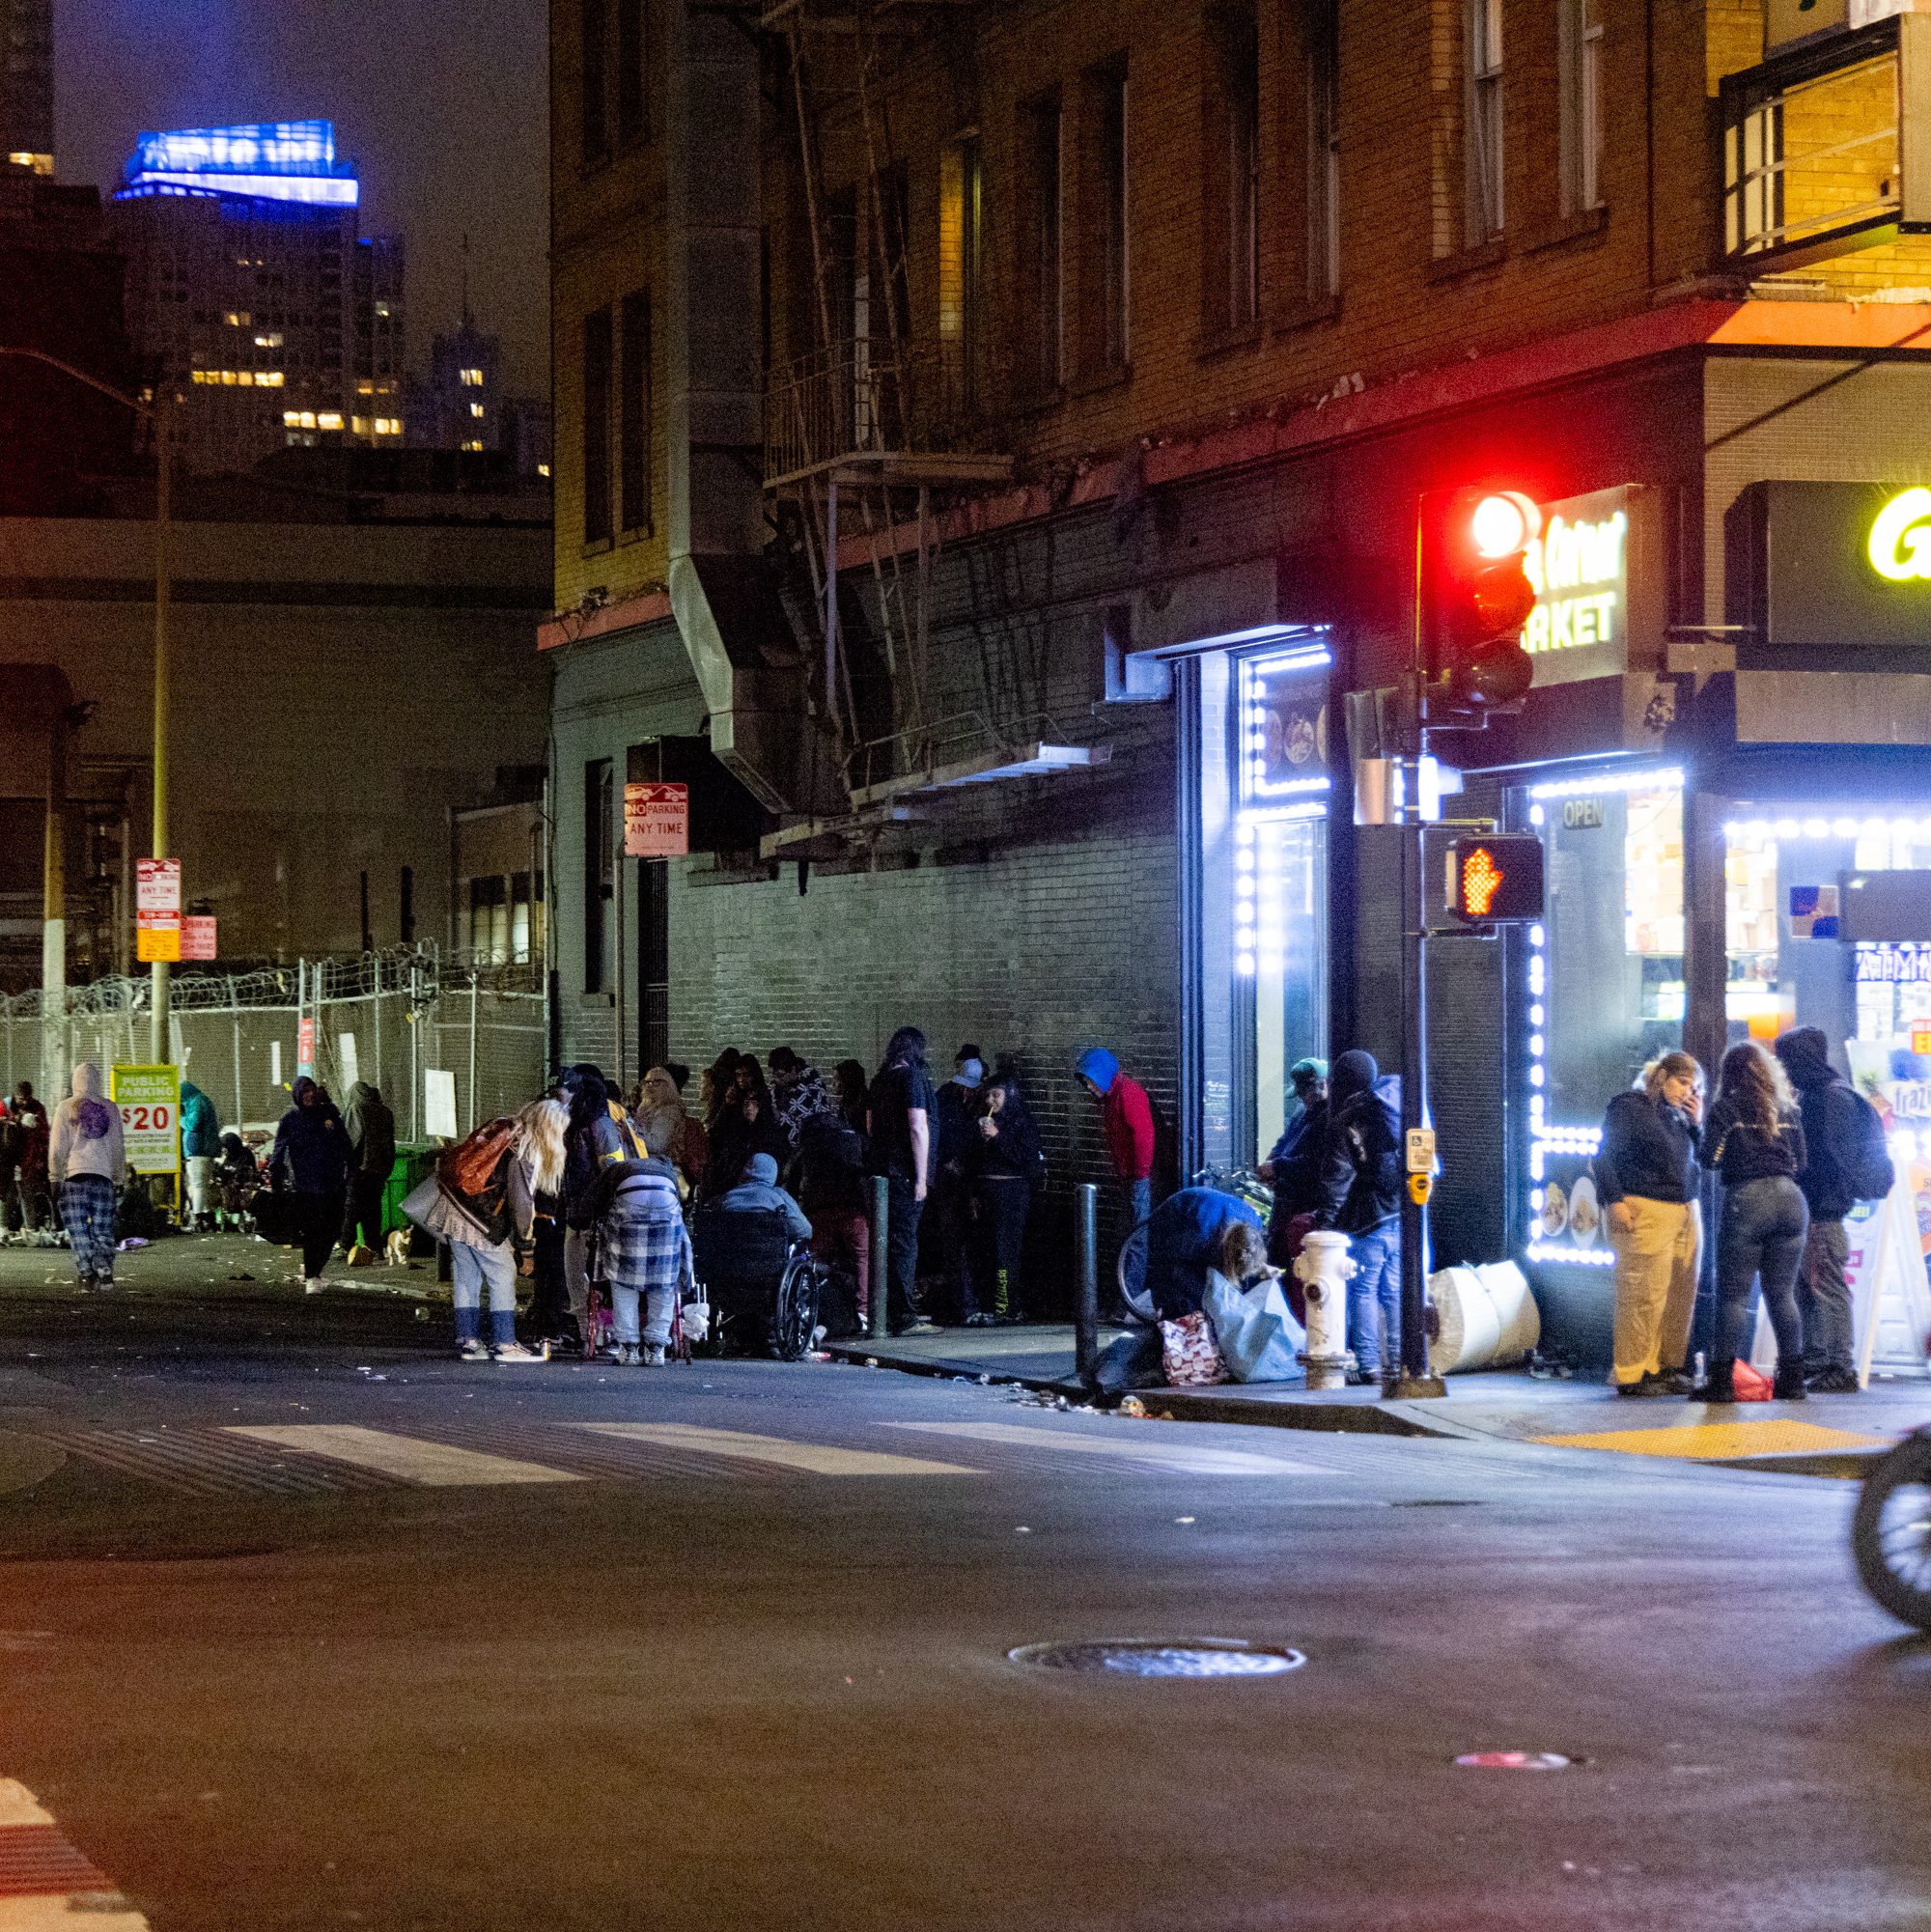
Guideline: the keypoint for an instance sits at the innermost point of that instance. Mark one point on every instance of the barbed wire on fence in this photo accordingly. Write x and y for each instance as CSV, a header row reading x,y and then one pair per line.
x,y
387,1018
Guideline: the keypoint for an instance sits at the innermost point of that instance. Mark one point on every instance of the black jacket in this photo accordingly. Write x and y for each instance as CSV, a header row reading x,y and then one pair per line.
x,y
829,1175
1648,1150
1740,1150
310,1149
1833,1121
371,1128
1296,1160
1360,1165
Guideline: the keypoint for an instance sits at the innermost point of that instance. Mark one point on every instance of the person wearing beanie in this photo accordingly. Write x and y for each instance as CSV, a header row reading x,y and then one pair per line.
x,y
1293,1167
1359,1195
1127,1116
955,1127
759,1193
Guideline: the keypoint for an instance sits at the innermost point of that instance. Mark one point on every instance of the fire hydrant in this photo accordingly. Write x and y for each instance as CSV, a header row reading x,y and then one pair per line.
x,y
1323,1268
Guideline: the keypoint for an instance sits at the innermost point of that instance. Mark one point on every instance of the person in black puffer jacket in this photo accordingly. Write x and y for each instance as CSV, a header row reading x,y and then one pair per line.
x,y
1359,1195
1755,1140
1833,1126
311,1161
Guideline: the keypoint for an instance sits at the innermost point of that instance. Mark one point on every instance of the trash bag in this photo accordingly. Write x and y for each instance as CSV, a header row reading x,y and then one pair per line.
x,y
1260,1340
1132,1361
1750,1385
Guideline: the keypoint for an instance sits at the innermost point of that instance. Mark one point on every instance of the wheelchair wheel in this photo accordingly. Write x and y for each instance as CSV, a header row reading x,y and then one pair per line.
x,y
795,1313
1133,1274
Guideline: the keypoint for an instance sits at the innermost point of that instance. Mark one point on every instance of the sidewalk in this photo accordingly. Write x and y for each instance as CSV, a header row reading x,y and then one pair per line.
x,y
1827,1435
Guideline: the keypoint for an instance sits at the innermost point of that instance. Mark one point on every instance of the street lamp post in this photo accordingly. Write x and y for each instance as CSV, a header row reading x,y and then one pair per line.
x,y
161,413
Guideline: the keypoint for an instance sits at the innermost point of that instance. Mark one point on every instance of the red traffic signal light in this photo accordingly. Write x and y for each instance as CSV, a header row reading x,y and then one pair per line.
x,y
1495,878
1477,596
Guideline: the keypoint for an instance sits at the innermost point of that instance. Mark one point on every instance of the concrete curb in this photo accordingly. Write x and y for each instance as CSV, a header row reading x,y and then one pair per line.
x,y
1187,1405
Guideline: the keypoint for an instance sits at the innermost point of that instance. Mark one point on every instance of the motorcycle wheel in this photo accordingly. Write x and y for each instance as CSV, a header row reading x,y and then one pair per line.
x,y
1890,1534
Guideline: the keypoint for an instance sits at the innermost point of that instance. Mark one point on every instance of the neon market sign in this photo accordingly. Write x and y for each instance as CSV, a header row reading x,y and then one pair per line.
x,y
1578,568
1900,539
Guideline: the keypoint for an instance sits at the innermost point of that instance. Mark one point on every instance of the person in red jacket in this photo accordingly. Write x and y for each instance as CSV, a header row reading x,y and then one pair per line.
x,y
1127,1116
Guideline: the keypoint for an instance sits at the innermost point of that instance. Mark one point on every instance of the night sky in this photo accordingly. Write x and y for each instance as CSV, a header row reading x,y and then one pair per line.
x,y
443,103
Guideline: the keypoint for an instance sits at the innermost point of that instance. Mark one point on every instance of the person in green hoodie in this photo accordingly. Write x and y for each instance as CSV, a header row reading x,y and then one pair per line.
x,y
200,1149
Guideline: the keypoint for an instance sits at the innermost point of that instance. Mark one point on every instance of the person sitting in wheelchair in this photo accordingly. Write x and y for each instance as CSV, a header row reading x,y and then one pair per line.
x,y
752,1260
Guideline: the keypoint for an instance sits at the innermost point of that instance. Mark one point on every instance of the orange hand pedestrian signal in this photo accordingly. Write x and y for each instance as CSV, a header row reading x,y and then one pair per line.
x,y
1480,880
1494,878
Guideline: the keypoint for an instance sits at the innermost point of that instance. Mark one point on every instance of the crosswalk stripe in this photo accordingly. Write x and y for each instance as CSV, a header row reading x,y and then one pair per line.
x,y
1192,1459
433,1465
819,1459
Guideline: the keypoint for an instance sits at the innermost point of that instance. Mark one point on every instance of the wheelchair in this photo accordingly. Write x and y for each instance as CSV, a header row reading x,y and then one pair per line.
x,y
763,1288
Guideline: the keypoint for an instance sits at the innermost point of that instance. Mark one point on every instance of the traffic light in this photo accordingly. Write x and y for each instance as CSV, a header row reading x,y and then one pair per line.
x,y
1495,878
1477,597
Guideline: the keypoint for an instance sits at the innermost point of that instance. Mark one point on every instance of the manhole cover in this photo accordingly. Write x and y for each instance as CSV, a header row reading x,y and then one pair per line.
x,y
1514,1760
1138,1656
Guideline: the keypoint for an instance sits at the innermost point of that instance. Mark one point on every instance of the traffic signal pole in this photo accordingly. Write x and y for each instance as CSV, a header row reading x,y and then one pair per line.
x,y
1415,1380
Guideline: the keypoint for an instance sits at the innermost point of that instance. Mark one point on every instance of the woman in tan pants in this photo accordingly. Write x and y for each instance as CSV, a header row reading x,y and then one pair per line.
x,y
1647,1180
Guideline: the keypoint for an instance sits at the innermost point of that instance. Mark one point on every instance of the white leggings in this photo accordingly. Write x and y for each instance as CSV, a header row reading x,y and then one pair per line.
x,y
663,1304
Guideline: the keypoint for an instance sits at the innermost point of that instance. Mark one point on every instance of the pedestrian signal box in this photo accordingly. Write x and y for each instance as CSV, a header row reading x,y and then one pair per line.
x,y
1495,878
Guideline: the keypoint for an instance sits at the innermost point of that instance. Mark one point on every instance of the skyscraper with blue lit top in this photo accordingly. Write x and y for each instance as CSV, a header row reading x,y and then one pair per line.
x,y
250,285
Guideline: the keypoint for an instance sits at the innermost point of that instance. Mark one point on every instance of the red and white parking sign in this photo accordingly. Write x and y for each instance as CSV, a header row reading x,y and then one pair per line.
x,y
657,820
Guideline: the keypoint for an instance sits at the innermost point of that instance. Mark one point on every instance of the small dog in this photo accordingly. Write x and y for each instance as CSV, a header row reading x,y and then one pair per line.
x,y
397,1247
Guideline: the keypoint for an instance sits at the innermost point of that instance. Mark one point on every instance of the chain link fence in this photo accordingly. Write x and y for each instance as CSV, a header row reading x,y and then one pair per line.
x,y
391,1019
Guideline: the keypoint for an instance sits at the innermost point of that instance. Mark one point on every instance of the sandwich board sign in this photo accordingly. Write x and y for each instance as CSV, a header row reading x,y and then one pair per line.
x,y
150,1101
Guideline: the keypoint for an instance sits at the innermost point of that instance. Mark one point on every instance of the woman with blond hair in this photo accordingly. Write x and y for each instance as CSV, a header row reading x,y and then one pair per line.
x,y
484,1204
1755,1140
1646,1180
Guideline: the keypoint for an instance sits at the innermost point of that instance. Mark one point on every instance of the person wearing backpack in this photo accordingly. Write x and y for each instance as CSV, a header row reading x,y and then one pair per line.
x,y
1849,1162
484,1204
1755,1140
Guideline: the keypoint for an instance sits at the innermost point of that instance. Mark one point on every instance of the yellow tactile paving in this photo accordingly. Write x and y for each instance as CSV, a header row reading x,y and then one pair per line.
x,y
1721,1441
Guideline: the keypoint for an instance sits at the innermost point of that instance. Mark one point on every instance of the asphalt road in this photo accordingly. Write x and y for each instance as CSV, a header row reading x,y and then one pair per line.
x,y
571,1678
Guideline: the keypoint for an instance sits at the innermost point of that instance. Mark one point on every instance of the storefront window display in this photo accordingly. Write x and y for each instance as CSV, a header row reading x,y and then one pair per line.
x,y
1603,984
1795,960
1264,879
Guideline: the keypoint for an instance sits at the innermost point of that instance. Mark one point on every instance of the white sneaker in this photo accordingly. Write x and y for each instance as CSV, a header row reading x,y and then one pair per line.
x,y
654,1355
474,1349
313,1285
516,1352
627,1355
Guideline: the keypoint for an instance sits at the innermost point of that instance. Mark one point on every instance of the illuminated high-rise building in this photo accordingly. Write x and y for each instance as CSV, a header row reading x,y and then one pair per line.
x,y
250,285
27,84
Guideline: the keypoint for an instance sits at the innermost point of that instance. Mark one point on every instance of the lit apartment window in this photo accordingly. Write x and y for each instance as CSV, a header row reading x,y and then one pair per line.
x,y
329,419
388,426
1103,290
1483,93
543,469
633,413
962,257
473,447
599,355
470,379
1230,123
476,408
272,340
239,318
1041,267
1582,45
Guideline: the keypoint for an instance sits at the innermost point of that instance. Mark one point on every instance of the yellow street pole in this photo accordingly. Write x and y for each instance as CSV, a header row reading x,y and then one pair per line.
x,y
157,1044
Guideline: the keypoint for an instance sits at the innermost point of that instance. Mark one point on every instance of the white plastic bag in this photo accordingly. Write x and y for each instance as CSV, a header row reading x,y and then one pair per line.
x,y
1259,1338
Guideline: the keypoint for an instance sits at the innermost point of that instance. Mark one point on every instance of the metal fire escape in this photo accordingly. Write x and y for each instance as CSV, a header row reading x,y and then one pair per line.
x,y
870,439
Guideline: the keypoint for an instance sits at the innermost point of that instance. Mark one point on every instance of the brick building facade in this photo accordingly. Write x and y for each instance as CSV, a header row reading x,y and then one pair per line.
x,y
1102,353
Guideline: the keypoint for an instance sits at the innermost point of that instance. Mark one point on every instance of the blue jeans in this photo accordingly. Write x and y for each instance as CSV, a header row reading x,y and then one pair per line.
x,y
469,1270
1374,1299
659,1309
1139,1202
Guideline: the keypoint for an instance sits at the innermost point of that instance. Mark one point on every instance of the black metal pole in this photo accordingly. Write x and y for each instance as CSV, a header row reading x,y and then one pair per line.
x,y
880,1269
1086,1308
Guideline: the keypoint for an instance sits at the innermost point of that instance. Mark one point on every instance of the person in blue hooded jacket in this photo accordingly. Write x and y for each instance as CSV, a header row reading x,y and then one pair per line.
x,y
1191,1233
